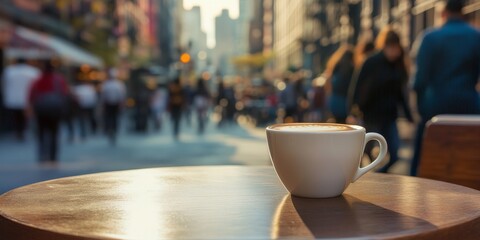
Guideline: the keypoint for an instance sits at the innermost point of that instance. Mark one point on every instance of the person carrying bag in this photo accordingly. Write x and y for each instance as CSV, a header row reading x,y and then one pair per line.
x,y
48,103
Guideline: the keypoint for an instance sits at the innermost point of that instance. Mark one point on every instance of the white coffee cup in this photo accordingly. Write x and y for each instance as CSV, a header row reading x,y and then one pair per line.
x,y
320,160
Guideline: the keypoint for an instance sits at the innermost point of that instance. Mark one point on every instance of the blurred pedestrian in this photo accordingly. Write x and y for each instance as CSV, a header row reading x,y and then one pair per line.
x,y
221,102
188,107
112,95
176,103
47,102
142,110
288,101
158,106
226,101
70,115
201,103
231,109
362,51
317,96
340,70
448,68
381,88
271,99
17,79
86,96
301,100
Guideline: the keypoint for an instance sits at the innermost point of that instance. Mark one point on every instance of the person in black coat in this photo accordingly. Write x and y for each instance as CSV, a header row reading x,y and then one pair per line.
x,y
201,102
381,89
176,103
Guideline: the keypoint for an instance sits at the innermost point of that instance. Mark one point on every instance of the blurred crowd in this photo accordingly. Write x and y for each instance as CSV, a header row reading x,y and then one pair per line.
x,y
370,84
44,97
376,82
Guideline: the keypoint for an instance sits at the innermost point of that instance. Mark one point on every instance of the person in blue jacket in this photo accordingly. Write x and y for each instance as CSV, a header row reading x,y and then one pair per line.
x,y
448,69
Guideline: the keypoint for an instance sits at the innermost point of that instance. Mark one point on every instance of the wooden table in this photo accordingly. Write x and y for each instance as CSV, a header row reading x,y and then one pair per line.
x,y
234,202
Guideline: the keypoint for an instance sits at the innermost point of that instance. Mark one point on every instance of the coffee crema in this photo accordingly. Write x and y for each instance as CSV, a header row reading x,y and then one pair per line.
x,y
318,127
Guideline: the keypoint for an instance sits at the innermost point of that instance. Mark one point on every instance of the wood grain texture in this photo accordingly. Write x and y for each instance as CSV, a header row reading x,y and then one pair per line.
x,y
451,151
234,202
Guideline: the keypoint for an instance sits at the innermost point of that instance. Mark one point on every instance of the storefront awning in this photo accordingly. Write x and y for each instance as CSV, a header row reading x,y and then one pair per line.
x,y
255,60
36,45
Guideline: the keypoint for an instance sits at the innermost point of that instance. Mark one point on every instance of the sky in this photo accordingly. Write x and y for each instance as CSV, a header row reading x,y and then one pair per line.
x,y
209,10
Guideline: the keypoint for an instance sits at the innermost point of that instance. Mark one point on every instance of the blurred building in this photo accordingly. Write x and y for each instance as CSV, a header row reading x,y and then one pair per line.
x,y
96,26
427,13
168,33
409,17
193,38
268,26
110,29
307,32
472,12
225,29
138,31
38,15
376,14
246,9
143,31
255,34
288,15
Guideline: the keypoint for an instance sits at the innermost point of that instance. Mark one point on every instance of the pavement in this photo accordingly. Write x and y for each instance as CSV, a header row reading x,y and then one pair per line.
x,y
232,145
240,144
405,152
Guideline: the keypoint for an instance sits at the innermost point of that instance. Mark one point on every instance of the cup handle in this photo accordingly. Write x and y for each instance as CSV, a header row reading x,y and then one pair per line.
x,y
383,152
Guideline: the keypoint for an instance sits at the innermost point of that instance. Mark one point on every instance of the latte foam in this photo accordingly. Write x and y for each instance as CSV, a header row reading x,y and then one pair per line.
x,y
319,127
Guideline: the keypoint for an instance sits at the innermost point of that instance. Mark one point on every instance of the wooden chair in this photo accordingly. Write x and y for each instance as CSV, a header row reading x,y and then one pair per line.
x,y
451,150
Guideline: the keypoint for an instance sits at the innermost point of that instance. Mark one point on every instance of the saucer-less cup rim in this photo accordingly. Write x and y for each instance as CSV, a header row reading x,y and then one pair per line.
x,y
355,128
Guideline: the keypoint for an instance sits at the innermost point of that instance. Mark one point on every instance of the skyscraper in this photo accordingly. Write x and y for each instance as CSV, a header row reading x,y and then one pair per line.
x,y
192,33
165,32
225,34
243,25
194,39
255,32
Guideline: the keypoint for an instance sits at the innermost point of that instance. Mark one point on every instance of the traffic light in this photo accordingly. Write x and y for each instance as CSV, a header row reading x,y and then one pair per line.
x,y
185,58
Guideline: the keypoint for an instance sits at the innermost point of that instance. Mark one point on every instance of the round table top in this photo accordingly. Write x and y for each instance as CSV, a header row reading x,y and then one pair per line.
x,y
225,202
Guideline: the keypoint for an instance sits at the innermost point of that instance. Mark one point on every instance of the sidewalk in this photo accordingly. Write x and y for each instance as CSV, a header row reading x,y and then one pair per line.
x,y
405,153
232,145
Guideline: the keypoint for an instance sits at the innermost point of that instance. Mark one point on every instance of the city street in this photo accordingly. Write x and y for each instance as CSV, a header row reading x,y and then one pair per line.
x,y
132,105
232,145
255,57
237,145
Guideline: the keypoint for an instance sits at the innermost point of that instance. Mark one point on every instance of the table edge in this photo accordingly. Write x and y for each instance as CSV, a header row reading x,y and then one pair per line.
x,y
475,220
388,175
